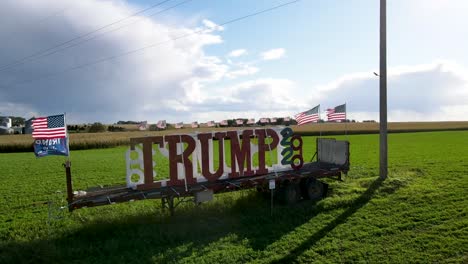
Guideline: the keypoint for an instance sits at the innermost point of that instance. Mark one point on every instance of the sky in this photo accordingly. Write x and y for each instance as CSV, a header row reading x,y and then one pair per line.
x,y
201,60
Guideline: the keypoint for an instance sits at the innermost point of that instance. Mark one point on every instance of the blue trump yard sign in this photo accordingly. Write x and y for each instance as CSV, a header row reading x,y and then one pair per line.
x,y
52,146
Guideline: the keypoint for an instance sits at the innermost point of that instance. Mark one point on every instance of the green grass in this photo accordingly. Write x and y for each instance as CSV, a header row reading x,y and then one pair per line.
x,y
419,214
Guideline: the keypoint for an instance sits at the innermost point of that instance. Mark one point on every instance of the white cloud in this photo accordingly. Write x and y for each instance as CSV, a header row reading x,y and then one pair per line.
x,y
437,91
178,81
273,54
212,25
237,53
145,84
243,71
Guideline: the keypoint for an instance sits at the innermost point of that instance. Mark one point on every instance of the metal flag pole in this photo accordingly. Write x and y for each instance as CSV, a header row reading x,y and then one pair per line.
x,y
346,121
319,124
68,167
383,90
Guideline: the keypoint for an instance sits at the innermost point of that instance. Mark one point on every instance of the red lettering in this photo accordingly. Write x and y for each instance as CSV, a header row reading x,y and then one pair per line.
x,y
240,155
183,158
205,155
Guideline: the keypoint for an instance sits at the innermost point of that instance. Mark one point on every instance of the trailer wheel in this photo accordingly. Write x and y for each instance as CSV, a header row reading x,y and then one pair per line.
x,y
313,189
290,193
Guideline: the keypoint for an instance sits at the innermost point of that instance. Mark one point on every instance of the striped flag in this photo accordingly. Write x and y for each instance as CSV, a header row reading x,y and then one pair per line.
x,y
223,123
211,124
312,115
143,125
264,120
49,127
161,124
337,114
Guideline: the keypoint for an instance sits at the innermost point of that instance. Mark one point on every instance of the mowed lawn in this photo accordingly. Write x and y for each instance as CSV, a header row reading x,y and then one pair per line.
x,y
418,214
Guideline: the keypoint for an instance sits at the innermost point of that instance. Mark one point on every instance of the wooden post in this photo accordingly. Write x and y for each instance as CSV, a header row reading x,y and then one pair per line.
x,y
383,90
69,185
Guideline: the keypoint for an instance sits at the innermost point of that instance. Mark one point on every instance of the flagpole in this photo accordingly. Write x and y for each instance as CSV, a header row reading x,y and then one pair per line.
x,y
346,119
320,124
68,167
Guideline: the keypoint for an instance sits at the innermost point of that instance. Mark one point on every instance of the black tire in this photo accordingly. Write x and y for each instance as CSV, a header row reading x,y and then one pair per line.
x,y
313,189
289,193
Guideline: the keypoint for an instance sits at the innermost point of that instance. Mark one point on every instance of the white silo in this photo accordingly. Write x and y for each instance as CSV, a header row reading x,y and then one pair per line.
x,y
8,122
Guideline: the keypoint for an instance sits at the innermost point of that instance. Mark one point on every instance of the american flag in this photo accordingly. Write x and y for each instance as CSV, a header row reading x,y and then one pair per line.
x,y
336,114
179,125
194,124
309,116
49,127
223,123
161,124
211,124
264,120
251,121
239,122
143,125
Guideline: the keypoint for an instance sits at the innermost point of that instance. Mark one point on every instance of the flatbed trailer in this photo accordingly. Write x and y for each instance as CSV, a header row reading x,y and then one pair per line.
x,y
331,160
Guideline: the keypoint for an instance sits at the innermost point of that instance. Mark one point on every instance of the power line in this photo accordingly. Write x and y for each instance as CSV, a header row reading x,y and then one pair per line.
x,y
20,61
95,36
155,44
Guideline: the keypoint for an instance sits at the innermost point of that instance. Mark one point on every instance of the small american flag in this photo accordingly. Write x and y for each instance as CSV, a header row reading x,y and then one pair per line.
x,y
264,120
143,125
337,114
194,124
161,124
223,123
49,127
211,124
309,116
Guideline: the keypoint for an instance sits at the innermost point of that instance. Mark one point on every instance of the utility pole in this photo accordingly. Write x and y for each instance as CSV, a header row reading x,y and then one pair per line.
x,y
383,90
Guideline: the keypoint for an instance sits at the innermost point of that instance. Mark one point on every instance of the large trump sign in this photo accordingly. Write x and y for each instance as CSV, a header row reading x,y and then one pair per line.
x,y
172,160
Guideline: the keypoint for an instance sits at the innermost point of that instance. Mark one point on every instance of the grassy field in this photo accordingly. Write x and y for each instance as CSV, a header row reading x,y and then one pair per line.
x,y
419,214
79,141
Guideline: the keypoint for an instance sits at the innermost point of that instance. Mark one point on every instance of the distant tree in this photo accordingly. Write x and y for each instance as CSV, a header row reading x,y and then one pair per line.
x,y
128,122
115,129
97,127
231,122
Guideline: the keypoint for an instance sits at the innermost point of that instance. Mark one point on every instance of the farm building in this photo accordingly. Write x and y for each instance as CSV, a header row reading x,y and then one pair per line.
x,y
28,126
5,121
5,125
5,130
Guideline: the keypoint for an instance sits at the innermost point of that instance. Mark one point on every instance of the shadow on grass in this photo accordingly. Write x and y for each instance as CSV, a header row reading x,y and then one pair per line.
x,y
154,237
356,205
